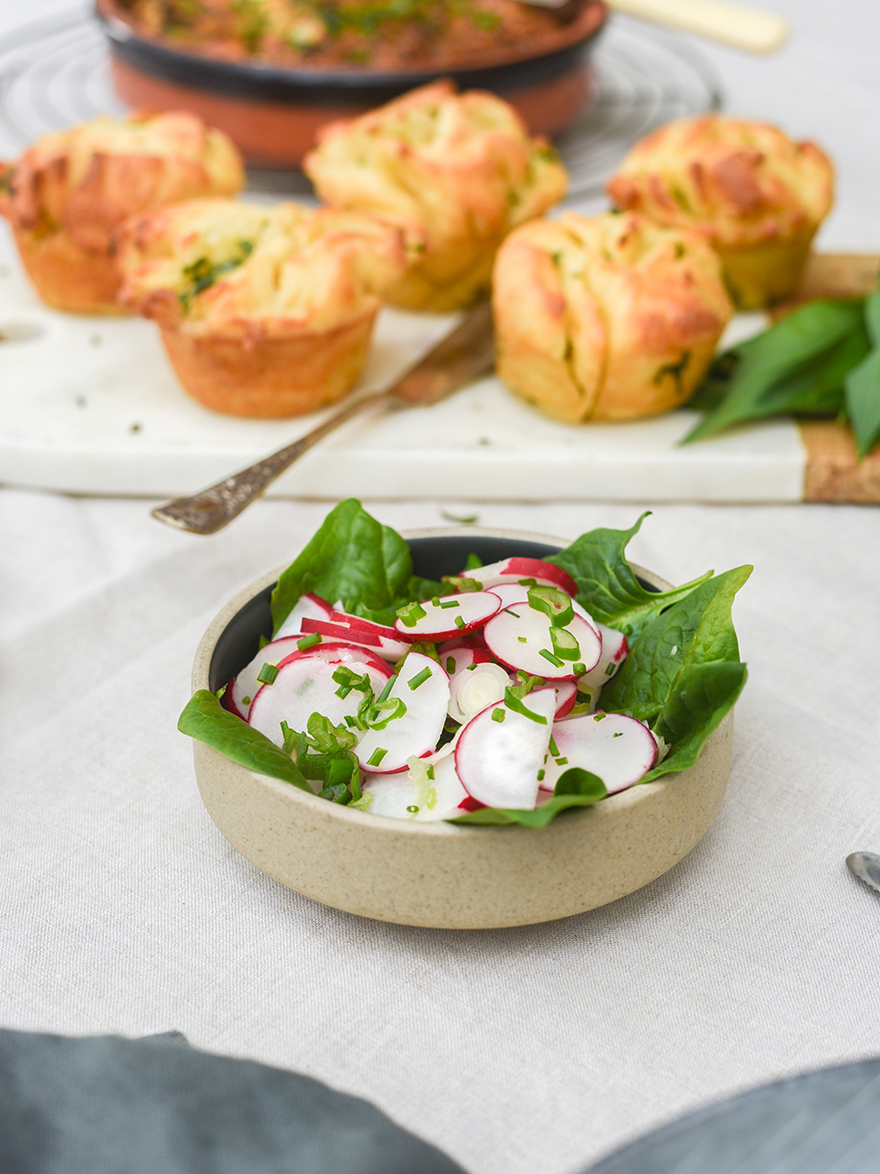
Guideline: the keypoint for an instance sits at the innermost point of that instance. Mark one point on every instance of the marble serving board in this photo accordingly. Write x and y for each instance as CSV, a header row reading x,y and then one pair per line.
x,y
91,405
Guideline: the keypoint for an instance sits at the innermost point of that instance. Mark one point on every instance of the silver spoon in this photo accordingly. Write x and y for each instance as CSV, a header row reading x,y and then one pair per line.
x,y
463,355
866,866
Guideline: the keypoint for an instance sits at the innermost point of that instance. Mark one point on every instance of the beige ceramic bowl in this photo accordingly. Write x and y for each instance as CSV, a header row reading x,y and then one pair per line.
x,y
445,875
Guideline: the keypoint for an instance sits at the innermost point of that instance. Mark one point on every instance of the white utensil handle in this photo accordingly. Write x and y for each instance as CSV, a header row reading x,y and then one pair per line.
x,y
741,28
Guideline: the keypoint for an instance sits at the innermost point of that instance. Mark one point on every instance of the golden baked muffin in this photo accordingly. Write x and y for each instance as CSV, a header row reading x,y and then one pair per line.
x,y
68,194
264,311
456,171
756,195
608,317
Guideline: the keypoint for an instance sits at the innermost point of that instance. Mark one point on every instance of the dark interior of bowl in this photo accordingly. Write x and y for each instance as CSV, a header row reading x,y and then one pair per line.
x,y
432,557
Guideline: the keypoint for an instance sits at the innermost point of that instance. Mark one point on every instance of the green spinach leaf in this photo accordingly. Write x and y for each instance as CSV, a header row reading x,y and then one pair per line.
x,y
863,385
575,788
607,585
355,559
205,718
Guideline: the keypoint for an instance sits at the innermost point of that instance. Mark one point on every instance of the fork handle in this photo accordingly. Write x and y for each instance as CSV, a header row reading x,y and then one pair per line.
x,y
211,509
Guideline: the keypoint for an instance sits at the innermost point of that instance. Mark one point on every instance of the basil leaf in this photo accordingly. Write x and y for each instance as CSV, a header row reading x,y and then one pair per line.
x,y
205,718
797,366
575,788
863,385
355,559
607,585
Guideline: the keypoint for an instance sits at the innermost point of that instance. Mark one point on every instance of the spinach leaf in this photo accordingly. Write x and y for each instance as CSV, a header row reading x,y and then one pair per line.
x,y
355,559
702,696
683,673
206,719
607,585
575,788
863,385
798,366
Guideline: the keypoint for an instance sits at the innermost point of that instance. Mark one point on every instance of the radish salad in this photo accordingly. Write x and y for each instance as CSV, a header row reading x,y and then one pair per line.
x,y
504,693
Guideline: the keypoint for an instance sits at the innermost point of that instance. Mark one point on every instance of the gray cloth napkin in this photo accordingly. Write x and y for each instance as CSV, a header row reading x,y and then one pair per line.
x,y
105,1105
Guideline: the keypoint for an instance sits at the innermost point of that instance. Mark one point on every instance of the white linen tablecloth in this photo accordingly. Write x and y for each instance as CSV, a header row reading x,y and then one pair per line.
x,y
123,910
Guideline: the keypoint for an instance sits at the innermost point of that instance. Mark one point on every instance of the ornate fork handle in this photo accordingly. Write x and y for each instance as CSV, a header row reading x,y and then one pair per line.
x,y
464,354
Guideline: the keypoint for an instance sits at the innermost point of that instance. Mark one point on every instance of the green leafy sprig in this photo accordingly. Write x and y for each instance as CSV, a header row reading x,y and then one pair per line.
x,y
822,360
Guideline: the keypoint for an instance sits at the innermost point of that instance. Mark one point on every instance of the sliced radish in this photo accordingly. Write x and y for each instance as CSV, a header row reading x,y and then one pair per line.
x,y
446,616
475,687
473,639
341,652
434,798
510,593
523,638
390,646
531,570
423,687
456,659
304,686
566,696
242,690
614,652
498,760
617,748
308,605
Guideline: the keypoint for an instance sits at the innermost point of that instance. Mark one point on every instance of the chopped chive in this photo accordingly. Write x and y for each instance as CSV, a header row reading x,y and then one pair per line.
x,y
435,602
512,701
548,655
413,808
247,700
419,678
610,669
554,749
267,674
376,757
472,665
561,761
388,686
618,734
527,582
497,715
460,624
541,774
430,772
523,639
597,717
450,665
511,612
450,603
410,614
309,641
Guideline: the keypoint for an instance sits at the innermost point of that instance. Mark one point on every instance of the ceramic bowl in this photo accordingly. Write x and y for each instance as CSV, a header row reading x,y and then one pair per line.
x,y
272,113
445,875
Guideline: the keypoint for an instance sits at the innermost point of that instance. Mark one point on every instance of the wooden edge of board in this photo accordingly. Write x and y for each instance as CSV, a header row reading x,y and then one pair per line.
x,y
833,472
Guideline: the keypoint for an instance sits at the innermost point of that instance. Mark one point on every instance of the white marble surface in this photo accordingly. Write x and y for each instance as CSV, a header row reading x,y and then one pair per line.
x,y
539,1049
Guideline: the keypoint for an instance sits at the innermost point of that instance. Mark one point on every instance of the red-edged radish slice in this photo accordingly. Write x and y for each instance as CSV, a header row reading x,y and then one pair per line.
x,y
472,640
422,799
308,605
341,652
475,687
456,659
498,760
617,748
520,637
423,687
519,569
304,686
242,690
566,696
614,652
446,616
510,593
384,638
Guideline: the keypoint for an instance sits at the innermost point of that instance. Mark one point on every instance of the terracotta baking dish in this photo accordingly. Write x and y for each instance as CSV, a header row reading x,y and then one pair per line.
x,y
272,113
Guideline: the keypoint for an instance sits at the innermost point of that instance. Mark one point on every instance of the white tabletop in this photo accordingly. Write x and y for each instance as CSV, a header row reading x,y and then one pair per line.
x,y
122,909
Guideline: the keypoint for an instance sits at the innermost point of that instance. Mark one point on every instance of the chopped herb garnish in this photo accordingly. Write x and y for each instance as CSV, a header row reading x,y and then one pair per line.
x,y
541,774
617,734
267,674
309,641
419,678
597,717
410,614
377,756
413,808
450,603
579,668
610,669
548,655
561,761
460,624
554,749
450,665
512,701
498,715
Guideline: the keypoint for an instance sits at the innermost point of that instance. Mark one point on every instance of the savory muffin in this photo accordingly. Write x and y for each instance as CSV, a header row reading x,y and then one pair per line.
x,y
68,194
756,195
455,171
264,311
608,317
